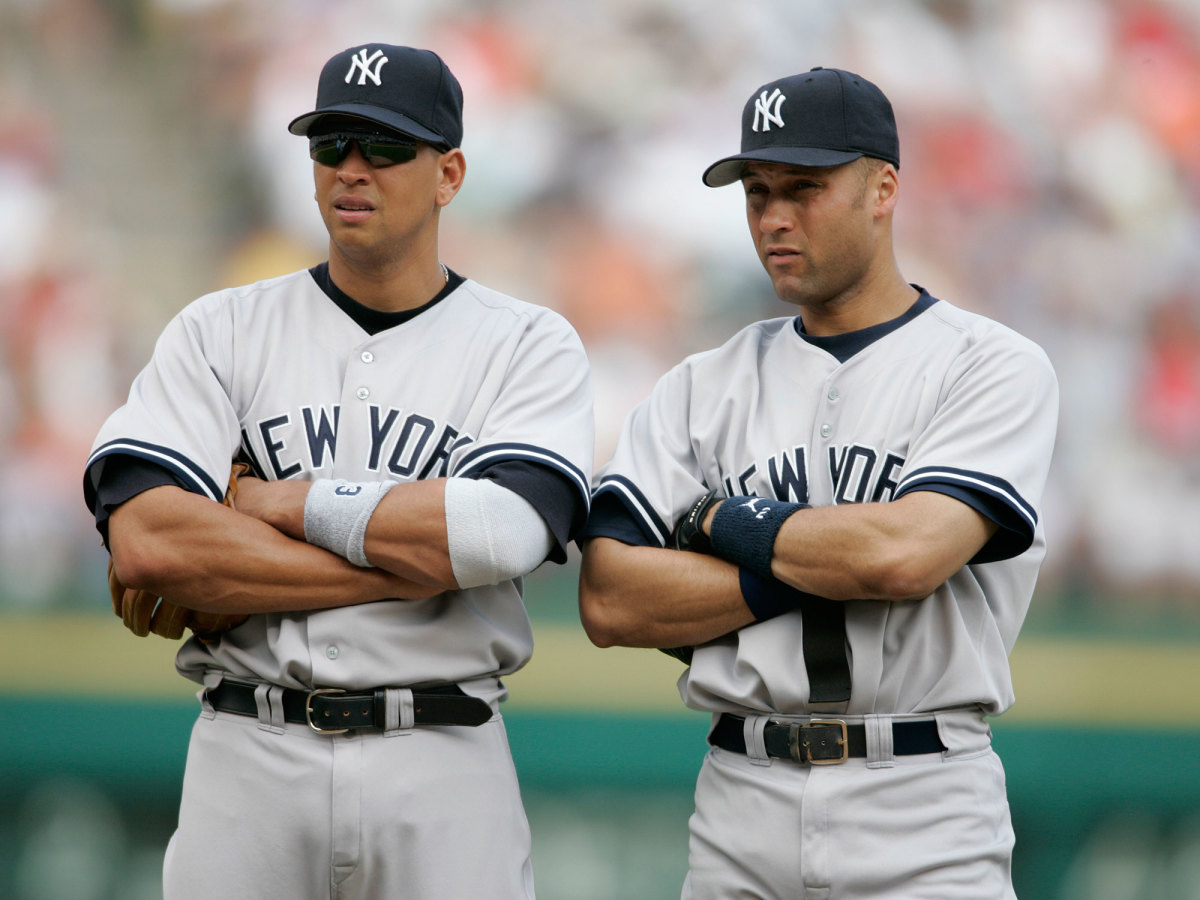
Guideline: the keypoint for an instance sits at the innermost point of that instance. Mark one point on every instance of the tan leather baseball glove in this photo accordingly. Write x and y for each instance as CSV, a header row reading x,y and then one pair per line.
x,y
144,613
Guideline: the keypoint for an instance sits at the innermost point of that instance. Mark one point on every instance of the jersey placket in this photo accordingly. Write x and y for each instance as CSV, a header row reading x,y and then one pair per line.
x,y
324,635
824,636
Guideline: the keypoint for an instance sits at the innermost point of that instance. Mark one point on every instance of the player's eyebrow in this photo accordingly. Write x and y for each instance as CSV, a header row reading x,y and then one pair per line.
x,y
756,171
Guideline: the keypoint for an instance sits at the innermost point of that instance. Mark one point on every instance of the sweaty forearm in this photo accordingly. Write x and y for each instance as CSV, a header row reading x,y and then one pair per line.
x,y
652,597
202,555
878,551
824,552
405,533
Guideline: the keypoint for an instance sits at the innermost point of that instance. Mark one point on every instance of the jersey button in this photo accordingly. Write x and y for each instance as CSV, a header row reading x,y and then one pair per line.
x,y
367,356
332,651
362,393
826,430
833,393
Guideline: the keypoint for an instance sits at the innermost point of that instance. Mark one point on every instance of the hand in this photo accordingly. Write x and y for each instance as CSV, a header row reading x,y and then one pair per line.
x,y
280,504
144,612
689,533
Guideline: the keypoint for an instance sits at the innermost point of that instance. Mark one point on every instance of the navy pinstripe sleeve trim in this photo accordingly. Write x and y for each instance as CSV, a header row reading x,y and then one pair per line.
x,y
191,474
480,458
974,481
992,497
638,507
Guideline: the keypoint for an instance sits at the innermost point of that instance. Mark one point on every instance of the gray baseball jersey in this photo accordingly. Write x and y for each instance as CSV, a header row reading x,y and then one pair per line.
x,y
278,372
939,399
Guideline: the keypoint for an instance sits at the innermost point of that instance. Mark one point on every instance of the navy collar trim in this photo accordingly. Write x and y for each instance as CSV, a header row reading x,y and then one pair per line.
x,y
844,346
370,320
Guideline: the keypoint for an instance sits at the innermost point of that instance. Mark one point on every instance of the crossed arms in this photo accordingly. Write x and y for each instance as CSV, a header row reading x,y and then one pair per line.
x,y
253,559
656,597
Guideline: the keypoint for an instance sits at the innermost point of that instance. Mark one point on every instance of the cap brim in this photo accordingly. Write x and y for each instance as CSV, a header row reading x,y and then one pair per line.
x,y
374,114
728,170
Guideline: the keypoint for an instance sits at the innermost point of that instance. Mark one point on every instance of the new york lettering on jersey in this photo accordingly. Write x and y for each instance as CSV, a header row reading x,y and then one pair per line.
x,y
399,444
862,421
364,408
856,475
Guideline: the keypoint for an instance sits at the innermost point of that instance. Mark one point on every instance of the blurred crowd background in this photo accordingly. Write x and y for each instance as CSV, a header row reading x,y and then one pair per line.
x,y
1050,176
1050,179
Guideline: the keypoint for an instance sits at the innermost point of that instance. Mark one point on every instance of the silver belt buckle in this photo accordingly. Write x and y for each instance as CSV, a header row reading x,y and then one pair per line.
x,y
802,750
308,711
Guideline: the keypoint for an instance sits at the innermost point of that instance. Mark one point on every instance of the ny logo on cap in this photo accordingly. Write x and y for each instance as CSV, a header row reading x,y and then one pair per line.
x,y
364,63
768,109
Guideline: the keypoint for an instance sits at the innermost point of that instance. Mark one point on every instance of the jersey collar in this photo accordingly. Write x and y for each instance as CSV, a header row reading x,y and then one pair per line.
x,y
373,321
844,346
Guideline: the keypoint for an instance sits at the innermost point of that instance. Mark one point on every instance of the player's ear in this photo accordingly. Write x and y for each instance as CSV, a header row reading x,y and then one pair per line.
x,y
452,169
885,184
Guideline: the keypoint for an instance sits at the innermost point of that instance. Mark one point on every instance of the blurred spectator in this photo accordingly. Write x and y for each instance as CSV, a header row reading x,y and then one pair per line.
x,y
1168,387
1143,525
1052,164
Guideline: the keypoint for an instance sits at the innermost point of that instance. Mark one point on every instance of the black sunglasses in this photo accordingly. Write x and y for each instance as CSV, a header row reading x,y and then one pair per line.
x,y
379,150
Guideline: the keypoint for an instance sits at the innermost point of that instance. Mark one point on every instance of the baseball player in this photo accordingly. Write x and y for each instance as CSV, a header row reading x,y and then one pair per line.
x,y
420,443
834,518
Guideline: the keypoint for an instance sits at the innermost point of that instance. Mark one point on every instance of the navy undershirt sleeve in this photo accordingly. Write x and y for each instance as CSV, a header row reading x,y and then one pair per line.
x,y
1012,538
611,518
119,477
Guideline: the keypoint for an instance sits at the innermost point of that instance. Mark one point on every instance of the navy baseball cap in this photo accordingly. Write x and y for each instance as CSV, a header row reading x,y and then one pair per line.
x,y
823,117
401,88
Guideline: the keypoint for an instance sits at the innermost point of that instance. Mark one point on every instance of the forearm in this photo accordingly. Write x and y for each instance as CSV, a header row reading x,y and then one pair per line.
x,y
202,555
405,536
843,553
877,551
654,597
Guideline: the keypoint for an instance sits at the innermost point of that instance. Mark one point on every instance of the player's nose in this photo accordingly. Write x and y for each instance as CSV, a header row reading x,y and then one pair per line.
x,y
776,216
354,166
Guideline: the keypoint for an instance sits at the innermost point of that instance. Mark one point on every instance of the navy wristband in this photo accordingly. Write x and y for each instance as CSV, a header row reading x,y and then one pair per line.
x,y
770,597
744,531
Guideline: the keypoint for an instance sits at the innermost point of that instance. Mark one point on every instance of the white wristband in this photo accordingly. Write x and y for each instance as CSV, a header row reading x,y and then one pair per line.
x,y
336,514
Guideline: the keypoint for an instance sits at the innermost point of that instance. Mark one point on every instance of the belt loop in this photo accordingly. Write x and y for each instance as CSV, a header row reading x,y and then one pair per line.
x,y
880,752
211,681
756,745
398,715
269,700
963,731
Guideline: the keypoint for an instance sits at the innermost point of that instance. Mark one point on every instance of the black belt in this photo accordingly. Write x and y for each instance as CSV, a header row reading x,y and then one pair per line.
x,y
824,742
332,710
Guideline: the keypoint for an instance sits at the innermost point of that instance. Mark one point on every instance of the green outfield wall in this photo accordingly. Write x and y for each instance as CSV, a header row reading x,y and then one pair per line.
x,y
1103,765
